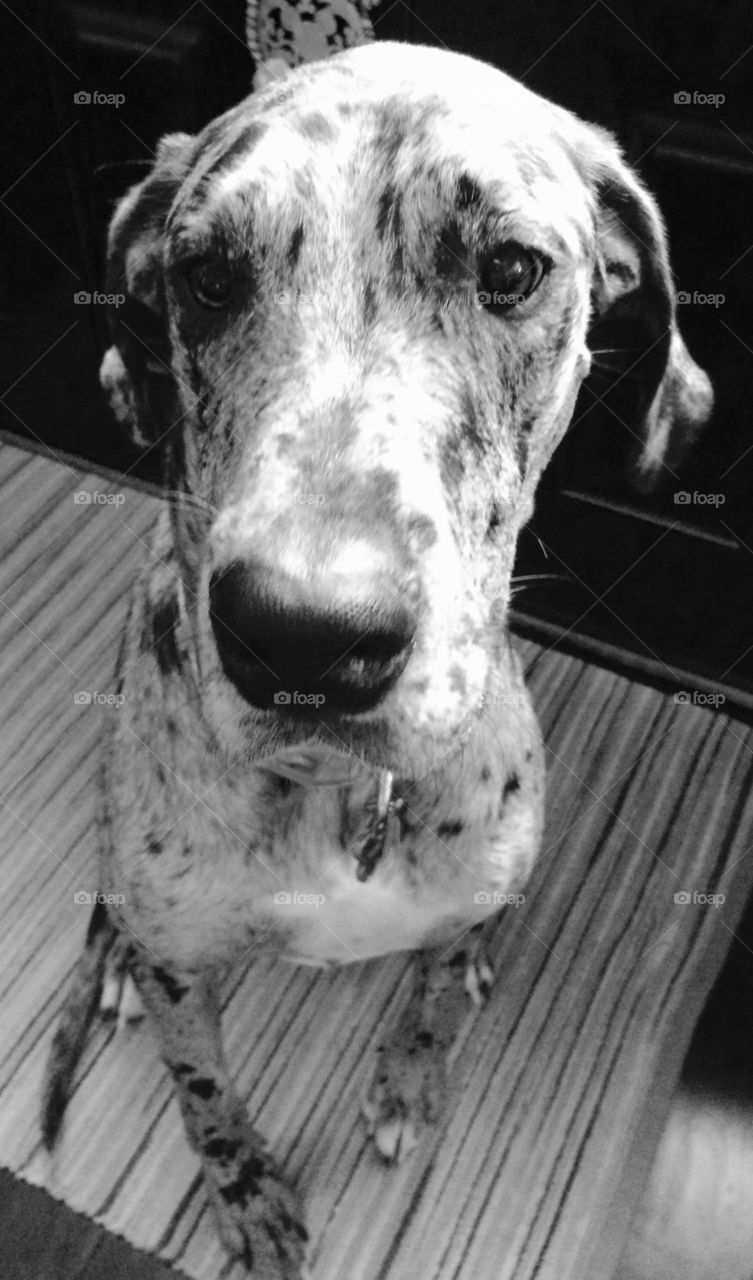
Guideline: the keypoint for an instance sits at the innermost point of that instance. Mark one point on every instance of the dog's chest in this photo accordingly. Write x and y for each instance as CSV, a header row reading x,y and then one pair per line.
x,y
291,885
335,918
260,865
322,912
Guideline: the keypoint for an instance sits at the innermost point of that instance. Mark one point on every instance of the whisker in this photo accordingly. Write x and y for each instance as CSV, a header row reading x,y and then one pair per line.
x,y
605,377
610,366
177,496
538,577
526,582
114,166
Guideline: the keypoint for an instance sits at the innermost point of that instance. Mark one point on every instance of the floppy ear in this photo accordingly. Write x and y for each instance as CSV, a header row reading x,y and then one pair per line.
x,y
135,372
634,293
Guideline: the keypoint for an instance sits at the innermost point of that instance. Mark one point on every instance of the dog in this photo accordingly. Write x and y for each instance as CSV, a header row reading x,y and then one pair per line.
x,y
357,315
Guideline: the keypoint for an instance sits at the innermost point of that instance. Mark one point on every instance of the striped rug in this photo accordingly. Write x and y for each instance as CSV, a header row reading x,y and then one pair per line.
x,y
562,1084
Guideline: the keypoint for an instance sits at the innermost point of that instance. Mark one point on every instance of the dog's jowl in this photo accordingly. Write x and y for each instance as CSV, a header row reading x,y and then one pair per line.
x,y
358,316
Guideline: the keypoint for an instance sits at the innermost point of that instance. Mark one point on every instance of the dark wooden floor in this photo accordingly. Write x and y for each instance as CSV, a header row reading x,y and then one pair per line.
x,y
566,1079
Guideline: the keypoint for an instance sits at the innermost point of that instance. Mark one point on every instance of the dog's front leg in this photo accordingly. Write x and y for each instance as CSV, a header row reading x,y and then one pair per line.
x,y
408,1092
258,1217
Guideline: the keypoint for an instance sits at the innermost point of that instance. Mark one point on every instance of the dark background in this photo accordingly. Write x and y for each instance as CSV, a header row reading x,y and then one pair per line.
x,y
640,581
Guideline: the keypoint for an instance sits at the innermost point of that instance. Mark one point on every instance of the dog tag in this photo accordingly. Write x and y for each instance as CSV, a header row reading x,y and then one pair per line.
x,y
386,831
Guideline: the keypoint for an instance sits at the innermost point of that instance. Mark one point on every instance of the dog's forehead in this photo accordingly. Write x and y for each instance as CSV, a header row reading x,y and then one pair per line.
x,y
386,112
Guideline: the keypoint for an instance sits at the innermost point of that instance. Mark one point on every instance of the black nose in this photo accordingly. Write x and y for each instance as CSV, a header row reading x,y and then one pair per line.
x,y
308,646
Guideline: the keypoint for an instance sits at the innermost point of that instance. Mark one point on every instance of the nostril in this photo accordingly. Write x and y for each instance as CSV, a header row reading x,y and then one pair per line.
x,y
377,640
232,611
312,637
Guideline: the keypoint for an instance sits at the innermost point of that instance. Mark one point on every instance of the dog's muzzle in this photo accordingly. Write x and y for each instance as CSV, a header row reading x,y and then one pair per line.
x,y
306,646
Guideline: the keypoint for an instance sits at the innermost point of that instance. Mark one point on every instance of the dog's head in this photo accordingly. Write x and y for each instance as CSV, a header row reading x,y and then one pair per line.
x,y
358,309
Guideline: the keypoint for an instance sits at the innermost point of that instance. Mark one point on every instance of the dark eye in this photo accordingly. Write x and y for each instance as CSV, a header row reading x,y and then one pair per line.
x,y
210,283
510,275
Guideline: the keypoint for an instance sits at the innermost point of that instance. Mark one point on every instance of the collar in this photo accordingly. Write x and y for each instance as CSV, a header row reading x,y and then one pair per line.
x,y
321,767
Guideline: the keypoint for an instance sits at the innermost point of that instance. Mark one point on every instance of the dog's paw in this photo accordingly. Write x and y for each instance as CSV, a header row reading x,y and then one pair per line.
x,y
407,1096
259,1219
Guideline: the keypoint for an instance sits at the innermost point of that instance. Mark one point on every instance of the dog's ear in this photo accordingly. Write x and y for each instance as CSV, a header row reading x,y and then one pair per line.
x,y
135,372
634,301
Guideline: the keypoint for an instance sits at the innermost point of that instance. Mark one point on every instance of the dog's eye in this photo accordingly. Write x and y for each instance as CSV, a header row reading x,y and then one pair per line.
x,y
509,276
210,283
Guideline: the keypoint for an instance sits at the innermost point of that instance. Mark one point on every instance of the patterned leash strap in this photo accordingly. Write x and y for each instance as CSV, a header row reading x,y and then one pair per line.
x,y
282,34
